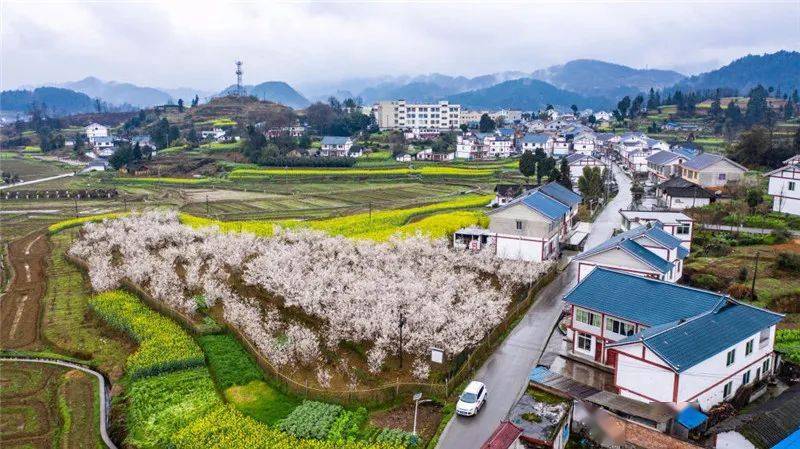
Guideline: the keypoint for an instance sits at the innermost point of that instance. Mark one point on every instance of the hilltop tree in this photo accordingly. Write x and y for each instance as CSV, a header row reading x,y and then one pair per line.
x,y
636,106
195,100
527,164
566,179
486,125
574,108
180,104
652,101
623,105
757,112
590,183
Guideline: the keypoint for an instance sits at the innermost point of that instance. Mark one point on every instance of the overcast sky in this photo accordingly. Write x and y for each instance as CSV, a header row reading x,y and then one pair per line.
x,y
194,43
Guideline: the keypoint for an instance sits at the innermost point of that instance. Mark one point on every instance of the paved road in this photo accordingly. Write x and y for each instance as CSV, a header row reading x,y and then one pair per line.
x,y
105,401
506,371
36,181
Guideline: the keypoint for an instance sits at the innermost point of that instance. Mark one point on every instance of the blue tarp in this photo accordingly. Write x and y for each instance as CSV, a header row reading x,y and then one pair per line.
x,y
790,442
690,417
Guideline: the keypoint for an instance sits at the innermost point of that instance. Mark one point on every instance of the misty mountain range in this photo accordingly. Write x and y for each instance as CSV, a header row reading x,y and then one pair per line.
x,y
584,82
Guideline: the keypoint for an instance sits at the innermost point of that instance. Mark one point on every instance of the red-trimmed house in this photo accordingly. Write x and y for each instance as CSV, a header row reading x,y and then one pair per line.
x,y
644,251
667,342
677,224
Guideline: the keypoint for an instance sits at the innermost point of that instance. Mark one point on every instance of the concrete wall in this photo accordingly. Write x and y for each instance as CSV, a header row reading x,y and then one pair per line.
x,y
509,247
705,381
639,379
534,225
709,176
785,200
616,259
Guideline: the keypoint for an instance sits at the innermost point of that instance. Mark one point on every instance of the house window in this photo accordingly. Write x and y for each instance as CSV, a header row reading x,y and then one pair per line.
x,y
722,176
618,327
727,389
746,377
683,229
765,366
748,348
791,185
586,317
730,358
585,342
519,225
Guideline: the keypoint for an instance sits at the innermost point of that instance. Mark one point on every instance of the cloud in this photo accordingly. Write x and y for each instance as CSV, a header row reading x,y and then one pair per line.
x,y
170,43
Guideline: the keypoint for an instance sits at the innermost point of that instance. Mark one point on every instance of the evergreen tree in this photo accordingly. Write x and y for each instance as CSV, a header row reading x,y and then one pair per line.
x,y
527,164
195,100
623,105
716,110
652,104
486,125
757,112
590,183
566,179
180,104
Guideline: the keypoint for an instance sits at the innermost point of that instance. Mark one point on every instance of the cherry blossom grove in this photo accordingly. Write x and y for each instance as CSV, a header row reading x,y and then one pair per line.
x,y
348,290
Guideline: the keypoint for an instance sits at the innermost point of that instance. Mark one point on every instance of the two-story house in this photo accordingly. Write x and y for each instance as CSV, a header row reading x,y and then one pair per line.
x,y
784,186
533,142
335,146
644,251
531,227
469,146
584,143
664,165
577,161
668,342
677,224
95,130
712,170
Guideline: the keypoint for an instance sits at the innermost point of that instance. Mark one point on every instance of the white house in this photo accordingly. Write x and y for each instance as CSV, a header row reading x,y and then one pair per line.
x,y
577,161
668,342
95,130
103,146
603,116
532,142
663,165
499,147
584,143
403,157
335,146
213,134
644,251
677,224
429,155
469,146
678,194
532,226
784,186
712,170
560,147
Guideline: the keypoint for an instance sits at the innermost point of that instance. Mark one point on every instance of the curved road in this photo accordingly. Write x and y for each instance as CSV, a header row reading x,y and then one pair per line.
x,y
103,390
506,371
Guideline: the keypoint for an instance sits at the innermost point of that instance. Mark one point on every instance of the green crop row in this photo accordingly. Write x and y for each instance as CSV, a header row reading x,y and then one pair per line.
x,y
787,341
71,223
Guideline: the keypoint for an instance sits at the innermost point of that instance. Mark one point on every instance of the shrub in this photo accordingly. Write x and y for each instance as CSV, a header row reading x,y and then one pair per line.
x,y
787,342
347,426
743,272
739,291
706,281
397,437
717,247
163,344
788,261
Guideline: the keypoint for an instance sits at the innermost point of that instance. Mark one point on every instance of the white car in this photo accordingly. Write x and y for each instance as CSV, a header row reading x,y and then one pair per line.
x,y
472,399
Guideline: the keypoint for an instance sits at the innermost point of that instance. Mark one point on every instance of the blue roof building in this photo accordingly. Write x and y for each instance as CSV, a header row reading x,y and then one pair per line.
x,y
645,250
668,342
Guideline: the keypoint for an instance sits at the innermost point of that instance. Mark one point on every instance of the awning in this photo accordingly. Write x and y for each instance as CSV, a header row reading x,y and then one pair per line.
x,y
690,417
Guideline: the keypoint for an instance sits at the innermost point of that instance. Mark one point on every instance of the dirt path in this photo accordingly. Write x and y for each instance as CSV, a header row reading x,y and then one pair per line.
x,y
20,305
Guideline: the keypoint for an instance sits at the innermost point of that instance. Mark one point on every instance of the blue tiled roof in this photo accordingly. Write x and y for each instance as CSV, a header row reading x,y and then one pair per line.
x,y
561,193
662,157
690,417
535,138
682,252
626,242
505,132
574,157
790,442
334,140
645,255
643,300
685,343
545,205
702,161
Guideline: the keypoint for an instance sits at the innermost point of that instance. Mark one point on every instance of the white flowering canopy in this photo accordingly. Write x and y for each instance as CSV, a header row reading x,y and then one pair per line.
x,y
346,290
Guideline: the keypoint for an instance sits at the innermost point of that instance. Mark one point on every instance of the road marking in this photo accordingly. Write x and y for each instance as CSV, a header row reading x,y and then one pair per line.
x,y
28,248
17,316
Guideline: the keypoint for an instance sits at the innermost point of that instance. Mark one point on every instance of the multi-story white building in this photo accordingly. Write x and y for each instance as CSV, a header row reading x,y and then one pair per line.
x,y
668,342
470,117
784,186
95,130
677,224
499,147
400,114
469,146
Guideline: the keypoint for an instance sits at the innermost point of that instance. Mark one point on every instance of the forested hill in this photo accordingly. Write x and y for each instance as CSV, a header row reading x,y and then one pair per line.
x,y
779,70
526,94
55,100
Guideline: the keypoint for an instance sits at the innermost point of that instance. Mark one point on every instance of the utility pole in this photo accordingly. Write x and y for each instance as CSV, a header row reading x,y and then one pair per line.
x,y
75,198
207,206
370,211
401,323
755,274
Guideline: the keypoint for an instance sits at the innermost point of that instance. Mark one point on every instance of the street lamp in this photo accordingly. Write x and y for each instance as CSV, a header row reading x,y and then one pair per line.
x,y
417,397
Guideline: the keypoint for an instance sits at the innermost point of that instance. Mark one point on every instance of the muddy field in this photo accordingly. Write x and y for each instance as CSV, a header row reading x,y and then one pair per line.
x,y
19,308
